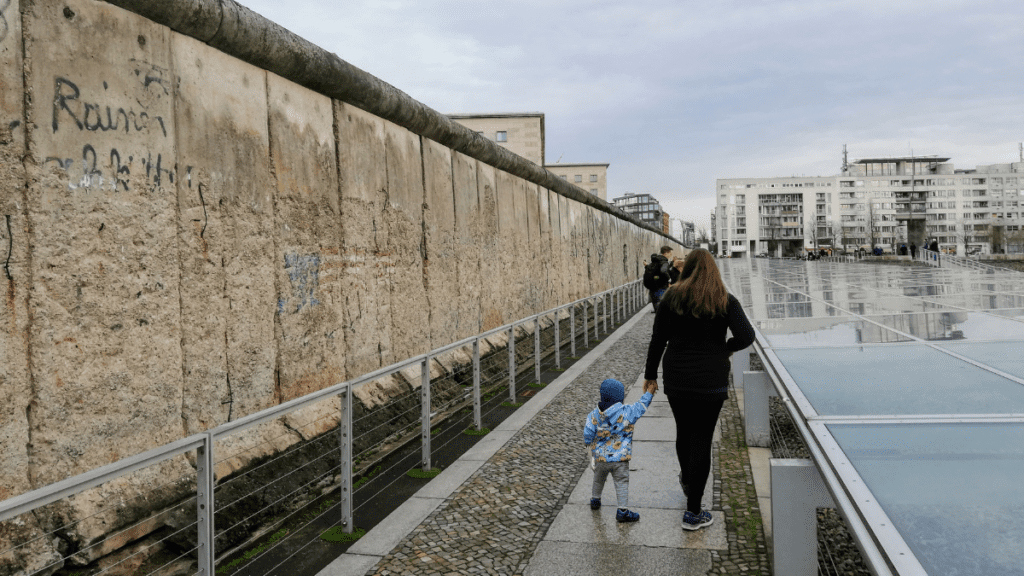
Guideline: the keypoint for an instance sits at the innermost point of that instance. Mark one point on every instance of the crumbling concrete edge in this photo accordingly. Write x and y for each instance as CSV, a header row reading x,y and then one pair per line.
x,y
248,36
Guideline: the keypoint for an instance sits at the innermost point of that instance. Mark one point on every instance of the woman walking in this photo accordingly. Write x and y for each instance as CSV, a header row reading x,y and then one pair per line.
x,y
692,321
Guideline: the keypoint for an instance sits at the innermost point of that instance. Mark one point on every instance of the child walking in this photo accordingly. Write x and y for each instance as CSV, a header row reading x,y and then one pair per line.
x,y
608,434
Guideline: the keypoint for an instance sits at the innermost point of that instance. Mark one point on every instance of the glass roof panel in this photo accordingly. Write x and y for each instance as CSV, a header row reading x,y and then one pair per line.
x,y
953,325
843,330
952,490
904,379
1005,356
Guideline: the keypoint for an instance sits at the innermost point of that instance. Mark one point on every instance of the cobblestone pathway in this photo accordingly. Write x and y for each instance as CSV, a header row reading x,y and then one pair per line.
x,y
493,523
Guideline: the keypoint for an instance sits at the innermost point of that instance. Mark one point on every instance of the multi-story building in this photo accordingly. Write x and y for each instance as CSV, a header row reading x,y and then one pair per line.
x,y
876,202
644,207
590,177
522,133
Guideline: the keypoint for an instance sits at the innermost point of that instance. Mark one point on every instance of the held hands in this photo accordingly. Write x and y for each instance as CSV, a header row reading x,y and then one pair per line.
x,y
651,386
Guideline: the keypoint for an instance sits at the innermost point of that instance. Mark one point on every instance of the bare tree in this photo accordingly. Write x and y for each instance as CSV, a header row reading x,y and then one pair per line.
x,y
871,227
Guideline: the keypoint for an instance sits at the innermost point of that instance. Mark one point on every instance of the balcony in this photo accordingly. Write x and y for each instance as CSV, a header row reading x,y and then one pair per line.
x,y
910,211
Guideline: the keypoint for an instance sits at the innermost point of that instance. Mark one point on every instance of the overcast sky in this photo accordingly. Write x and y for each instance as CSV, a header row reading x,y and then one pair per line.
x,y
676,93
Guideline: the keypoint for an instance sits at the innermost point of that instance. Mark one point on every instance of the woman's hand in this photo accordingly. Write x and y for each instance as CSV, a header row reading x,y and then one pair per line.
x,y
651,386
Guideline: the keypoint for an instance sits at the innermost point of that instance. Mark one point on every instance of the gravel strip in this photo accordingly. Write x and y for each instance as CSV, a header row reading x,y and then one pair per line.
x,y
837,553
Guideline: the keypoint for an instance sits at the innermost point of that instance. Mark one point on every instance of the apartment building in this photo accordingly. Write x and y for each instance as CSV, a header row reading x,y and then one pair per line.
x,y
521,133
875,202
644,207
591,177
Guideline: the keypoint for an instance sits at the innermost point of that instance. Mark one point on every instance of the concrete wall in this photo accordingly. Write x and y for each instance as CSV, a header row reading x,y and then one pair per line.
x,y
187,239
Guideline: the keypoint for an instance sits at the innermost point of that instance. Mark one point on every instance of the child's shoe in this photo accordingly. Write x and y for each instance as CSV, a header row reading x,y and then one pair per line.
x,y
693,521
624,515
595,503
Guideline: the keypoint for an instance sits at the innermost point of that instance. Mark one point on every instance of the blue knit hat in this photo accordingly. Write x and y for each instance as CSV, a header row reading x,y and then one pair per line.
x,y
612,391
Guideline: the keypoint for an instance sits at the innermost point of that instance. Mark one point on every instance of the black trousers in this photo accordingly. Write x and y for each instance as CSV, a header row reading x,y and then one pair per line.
x,y
695,416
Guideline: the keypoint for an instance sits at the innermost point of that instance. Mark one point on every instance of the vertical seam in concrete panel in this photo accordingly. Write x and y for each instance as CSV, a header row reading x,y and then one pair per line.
x,y
423,242
29,316
278,329
177,222
377,254
341,230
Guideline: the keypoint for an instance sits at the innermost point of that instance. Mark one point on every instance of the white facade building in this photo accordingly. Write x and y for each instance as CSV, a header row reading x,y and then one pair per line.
x,y
879,202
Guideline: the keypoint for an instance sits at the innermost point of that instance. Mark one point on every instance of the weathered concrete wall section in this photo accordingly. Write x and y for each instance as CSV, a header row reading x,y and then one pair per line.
x,y
36,551
469,236
441,246
186,239
363,179
310,313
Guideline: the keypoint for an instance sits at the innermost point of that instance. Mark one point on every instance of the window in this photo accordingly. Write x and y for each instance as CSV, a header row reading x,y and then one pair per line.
x,y
501,136
593,177
578,178
593,191
562,176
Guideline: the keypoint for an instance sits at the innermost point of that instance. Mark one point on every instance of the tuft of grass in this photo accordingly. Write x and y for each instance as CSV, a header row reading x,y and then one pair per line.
x,y
473,432
535,385
252,553
420,473
508,404
337,535
366,477
558,369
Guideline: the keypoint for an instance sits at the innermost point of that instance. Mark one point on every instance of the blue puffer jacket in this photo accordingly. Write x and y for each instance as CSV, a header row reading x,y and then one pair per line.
x,y
609,434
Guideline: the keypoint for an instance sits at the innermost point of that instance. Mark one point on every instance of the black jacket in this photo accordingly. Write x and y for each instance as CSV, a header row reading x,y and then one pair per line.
x,y
697,354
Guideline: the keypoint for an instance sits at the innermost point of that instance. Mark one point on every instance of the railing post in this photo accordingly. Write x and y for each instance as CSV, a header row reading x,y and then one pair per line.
x,y
204,507
558,339
345,445
572,330
797,492
536,348
476,384
615,308
597,336
425,411
512,363
757,388
604,309
586,331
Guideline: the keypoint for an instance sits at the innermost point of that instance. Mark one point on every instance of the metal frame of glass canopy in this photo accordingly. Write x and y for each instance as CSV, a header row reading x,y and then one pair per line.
x,y
842,345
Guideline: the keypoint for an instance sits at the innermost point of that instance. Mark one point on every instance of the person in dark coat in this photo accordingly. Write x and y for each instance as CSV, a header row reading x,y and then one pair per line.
x,y
913,250
689,342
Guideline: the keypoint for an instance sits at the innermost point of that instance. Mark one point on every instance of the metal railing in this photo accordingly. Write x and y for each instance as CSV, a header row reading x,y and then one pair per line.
x,y
940,260
329,466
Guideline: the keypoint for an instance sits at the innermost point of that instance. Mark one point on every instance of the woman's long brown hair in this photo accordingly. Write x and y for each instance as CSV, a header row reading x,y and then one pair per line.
x,y
699,290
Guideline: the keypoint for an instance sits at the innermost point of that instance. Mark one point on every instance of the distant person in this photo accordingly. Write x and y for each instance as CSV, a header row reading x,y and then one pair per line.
x,y
608,433
689,341
934,246
913,251
656,276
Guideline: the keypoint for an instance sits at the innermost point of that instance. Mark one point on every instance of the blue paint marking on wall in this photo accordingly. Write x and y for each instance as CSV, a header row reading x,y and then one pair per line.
x,y
304,276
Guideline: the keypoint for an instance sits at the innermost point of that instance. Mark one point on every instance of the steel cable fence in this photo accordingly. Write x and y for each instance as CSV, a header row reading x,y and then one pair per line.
x,y
254,482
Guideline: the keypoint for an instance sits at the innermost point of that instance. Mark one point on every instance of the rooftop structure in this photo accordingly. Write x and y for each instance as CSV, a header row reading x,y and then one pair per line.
x,y
643,206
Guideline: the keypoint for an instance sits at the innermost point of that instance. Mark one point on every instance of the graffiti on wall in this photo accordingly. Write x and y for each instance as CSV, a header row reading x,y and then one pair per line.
x,y
304,277
71,110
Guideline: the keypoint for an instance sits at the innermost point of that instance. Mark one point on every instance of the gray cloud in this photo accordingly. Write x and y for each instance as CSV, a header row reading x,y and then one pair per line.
x,y
675,94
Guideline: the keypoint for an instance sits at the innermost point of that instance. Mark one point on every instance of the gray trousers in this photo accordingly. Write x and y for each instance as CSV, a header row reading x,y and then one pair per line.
x,y
620,475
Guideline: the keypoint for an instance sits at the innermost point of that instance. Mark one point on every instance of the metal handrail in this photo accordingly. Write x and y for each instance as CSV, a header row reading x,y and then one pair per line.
x,y
626,297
